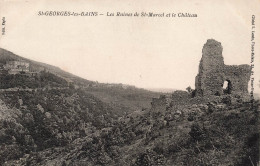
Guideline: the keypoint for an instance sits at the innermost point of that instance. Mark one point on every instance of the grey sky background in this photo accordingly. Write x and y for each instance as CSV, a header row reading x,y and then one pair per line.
x,y
145,52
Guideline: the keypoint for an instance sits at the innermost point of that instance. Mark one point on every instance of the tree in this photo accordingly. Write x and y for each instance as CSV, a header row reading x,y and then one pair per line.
x,y
189,89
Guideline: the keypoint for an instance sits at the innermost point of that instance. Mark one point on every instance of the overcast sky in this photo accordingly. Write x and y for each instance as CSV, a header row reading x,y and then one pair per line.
x,y
145,52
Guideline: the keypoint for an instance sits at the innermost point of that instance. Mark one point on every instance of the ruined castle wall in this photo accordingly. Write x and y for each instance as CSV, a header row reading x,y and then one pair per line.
x,y
211,69
238,77
160,104
213,72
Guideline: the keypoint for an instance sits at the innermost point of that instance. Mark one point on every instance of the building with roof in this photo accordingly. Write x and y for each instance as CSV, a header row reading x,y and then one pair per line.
x,y
16,67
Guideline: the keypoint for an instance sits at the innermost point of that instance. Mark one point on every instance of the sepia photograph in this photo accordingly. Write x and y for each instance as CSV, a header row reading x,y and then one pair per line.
x,y
129,83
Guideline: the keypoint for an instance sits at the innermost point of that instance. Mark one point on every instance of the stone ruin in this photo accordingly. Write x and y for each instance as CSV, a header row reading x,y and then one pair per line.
x,y
213,73
210,81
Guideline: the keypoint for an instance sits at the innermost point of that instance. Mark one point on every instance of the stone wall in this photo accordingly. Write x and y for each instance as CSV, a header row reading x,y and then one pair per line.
x,y
238,77
159,104
213,73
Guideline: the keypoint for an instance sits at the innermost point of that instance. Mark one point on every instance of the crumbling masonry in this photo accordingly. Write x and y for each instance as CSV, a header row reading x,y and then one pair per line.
x,y
213,73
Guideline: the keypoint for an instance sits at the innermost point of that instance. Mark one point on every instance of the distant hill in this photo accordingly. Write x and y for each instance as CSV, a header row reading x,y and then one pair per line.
x,y
129,99
162,90
124,97
6,55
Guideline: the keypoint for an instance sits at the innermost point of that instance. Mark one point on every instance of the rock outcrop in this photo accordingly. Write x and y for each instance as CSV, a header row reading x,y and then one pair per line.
x,y
213,73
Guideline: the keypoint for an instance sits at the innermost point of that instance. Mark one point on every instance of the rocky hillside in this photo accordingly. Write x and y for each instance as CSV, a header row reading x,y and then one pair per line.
x,y
223,131
32,121
47,120
54,108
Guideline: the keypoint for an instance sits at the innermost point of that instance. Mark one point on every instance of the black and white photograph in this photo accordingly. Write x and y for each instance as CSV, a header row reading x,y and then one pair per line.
x,y
129,83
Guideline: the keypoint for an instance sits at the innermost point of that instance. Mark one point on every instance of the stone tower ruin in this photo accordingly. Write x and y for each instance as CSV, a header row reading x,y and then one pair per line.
x,y
213,73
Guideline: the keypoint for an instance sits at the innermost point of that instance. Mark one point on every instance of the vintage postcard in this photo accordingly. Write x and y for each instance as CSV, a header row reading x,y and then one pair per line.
x,y
129,83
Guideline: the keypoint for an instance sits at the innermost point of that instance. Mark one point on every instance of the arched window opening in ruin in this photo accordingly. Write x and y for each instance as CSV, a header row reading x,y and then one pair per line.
x,y
227,87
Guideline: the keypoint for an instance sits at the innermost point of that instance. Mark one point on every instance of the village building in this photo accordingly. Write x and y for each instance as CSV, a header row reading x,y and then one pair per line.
x,y
16,67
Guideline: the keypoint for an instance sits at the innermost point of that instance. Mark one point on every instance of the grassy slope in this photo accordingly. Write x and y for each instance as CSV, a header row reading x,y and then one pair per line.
x,y
131,98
